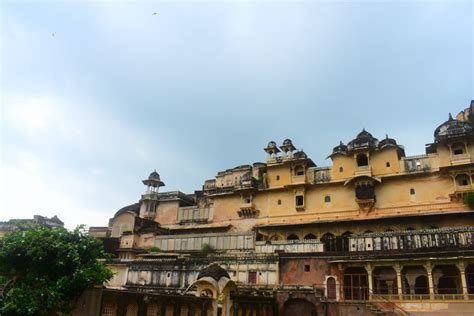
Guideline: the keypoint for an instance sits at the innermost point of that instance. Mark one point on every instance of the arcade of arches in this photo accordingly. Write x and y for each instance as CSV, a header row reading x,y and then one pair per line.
x,y
411,281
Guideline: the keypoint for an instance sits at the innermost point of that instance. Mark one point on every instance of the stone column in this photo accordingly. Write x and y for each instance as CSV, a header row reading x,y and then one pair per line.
x,y
368,267
430,280
191,310
142,308
398,271
122,307
177,308
462,270
236,309
163,308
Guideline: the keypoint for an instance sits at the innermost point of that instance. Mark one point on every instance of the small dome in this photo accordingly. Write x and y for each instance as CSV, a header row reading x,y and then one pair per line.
x,y
341,148
154,176
287,142
387,142
363,134
363,140
453,128
271,144
214,271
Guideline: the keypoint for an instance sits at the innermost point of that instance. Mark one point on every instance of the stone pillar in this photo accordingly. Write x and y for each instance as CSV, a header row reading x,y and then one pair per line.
x,y
191,310
462,271
430,279
163,308
177,308
236,309
398,271
121,307
368,267
142,308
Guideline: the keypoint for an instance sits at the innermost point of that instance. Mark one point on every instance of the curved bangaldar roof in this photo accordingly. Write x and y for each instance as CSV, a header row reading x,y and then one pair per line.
x,y
340,149
363,140
452,129
214,271
386,142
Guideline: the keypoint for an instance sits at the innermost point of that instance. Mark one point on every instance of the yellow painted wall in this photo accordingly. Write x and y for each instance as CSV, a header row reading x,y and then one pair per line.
x,y
167,212
348,165
121,223
378,162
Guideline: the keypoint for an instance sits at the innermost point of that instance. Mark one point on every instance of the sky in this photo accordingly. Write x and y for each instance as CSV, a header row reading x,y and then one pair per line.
x,y
97,94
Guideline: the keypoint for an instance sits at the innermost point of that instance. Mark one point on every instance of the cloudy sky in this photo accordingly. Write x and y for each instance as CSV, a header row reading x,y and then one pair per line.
x,y
97,94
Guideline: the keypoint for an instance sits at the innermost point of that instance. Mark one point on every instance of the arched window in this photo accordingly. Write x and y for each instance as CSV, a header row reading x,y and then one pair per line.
x,y
309,236
362,160
274,237
293,237
329,242
462,180
299,171
327,236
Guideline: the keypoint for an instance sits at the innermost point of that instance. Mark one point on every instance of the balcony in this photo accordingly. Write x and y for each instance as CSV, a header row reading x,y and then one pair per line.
x,y
248,210
291,246
301,179
460,159
416,241
363,171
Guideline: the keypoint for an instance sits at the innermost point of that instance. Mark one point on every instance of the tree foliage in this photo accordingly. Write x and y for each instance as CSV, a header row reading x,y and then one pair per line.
x,y
469,200
47,269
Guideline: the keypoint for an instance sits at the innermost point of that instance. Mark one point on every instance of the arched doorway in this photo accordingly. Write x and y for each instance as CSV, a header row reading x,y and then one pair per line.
x,y
421,285
299,306
331,288
292,237
309,237
415,280
355,284
345,241
328,241
384,281
447,279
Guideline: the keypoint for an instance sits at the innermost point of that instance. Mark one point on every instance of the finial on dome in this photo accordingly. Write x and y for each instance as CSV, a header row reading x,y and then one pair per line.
x,y
386,136
341,143
450,117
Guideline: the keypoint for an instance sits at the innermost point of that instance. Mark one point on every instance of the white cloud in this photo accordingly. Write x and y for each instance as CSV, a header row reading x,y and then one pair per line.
x,y
39,175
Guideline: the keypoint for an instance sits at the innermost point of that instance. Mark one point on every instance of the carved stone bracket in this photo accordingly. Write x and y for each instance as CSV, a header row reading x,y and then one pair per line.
x,y
366,205
248,212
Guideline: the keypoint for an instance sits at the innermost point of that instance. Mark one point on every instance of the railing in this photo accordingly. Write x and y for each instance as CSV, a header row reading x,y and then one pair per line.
x,y
363,171
291,246
460,159
298,179
387,300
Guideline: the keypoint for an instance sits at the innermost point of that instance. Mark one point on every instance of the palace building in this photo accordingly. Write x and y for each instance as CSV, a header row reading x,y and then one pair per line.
x,y
375,233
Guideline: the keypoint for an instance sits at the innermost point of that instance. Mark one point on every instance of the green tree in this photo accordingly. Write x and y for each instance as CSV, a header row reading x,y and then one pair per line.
x,y
469,200
47,269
